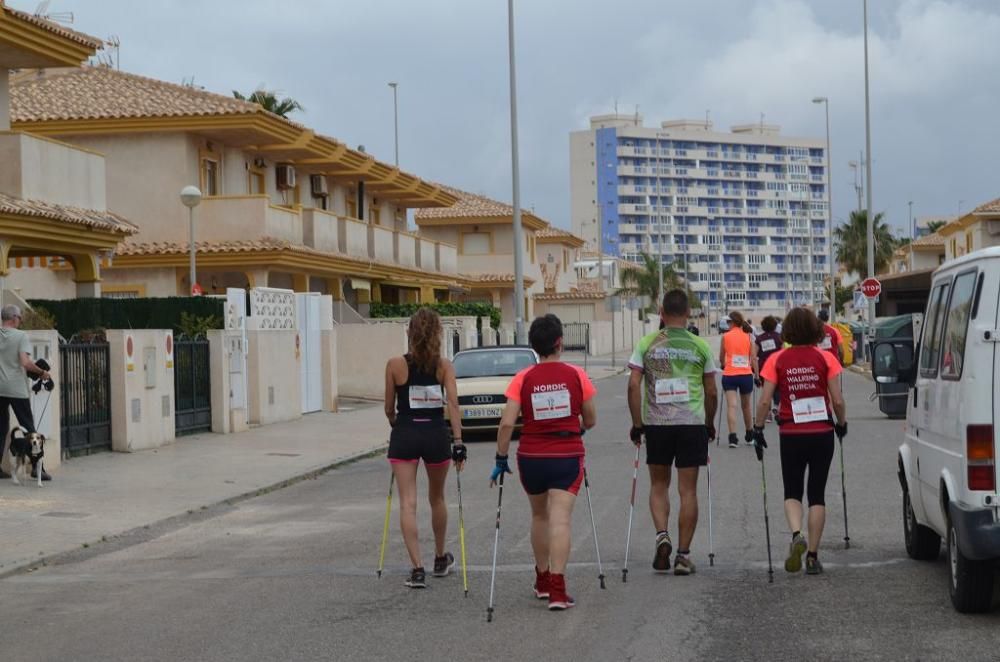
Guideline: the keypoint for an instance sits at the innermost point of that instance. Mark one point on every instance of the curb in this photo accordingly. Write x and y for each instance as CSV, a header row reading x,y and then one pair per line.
x,y
55,558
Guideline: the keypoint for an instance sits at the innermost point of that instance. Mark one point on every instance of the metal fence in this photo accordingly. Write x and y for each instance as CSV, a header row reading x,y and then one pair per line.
x,y
192,387
85,401
576,337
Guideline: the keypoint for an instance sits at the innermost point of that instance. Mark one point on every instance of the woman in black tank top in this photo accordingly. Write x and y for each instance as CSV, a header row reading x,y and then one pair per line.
x,y
419,387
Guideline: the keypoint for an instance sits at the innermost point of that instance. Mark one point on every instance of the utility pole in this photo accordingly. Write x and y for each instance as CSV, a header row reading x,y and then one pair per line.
x,y
868,176
395,119
519,311
913,233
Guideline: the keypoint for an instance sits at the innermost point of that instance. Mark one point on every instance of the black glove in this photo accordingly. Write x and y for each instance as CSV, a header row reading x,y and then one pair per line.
x,y
710,427
459,453
758,382
841,430
759,443
635,434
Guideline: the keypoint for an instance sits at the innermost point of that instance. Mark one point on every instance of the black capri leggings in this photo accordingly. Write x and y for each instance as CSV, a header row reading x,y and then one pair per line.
x,y
801,451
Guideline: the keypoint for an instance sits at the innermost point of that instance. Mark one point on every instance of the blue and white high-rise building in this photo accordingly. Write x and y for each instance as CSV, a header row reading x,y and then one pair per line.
x,y
746,211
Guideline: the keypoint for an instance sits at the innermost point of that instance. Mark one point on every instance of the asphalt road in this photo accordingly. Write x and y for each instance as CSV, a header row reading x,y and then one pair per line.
x,y
290,576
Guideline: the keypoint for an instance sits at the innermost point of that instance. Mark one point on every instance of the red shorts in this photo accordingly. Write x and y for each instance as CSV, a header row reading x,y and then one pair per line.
x,y
541,474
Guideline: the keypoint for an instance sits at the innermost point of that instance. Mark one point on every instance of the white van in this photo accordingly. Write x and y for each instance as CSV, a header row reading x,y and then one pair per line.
x,y
947,462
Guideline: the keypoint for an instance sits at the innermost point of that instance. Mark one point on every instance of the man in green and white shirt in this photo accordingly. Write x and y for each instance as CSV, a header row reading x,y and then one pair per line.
x,y
672,397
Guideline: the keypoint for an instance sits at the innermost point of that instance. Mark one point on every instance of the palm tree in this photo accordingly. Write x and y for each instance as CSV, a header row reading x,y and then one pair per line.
x,y
270,102
851,240
642,280
934,226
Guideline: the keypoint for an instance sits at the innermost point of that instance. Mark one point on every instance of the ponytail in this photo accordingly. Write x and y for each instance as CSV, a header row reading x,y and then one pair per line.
x,y
737,320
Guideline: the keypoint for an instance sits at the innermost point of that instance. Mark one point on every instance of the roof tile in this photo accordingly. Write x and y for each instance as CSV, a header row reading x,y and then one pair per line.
x,y
102,220
54,28
991,207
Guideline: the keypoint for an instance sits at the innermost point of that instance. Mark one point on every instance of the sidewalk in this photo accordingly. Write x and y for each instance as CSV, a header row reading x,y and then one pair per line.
x,y
107,494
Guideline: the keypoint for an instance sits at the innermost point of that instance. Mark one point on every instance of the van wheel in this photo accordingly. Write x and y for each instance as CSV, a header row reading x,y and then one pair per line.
x,y
922,543
971,582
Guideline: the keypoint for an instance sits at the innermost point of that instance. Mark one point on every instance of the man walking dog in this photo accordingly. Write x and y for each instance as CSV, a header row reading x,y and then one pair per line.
x,y
15,364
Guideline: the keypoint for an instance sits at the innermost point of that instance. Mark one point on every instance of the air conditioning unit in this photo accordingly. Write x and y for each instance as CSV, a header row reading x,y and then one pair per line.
x,y
318,185
286,176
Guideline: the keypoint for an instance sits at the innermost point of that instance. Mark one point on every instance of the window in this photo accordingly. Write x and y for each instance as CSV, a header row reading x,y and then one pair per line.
x,y
351,201
956,327
968,242
256,181
930,345
209,176
476,243
374,214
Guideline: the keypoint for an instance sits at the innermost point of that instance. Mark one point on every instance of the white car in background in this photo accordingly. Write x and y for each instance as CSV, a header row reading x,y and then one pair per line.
x,y
482,376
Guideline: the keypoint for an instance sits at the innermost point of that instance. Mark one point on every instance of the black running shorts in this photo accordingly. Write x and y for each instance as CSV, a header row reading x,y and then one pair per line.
x,y
541,474
684,446
802,452
412,441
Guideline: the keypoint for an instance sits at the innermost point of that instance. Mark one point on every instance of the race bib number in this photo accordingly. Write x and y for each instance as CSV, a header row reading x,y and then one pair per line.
x,y
827,343
741,361
426,397
768,345
809,410
672,391
551,404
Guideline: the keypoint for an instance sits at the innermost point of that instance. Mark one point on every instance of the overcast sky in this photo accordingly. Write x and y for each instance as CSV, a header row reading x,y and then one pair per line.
x,y
934,64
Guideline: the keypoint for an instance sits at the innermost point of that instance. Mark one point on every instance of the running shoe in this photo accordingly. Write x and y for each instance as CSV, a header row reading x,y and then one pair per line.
x,y
418,578
813,566
795,551
661,562
542,580
733,441
683,565
558,598
748,438
443,564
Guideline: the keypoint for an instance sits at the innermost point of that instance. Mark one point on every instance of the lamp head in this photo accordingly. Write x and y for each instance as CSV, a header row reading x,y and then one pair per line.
x,y
819,99
190,196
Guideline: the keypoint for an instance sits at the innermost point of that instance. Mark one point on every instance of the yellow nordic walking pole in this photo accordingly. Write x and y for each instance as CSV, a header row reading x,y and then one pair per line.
x,y
461,534
385,526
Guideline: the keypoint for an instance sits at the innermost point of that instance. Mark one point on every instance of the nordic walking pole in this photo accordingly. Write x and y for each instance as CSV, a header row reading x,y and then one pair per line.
x,y
711,538
843,493
461,535
385,526
593,525
767,522
496,543
631,509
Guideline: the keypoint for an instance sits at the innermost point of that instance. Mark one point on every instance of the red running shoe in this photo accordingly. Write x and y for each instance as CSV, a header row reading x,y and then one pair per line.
x,y
558,598
542,580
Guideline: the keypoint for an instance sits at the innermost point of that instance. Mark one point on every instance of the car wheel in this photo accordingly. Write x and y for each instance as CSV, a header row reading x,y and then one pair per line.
x,y
971,582
922,543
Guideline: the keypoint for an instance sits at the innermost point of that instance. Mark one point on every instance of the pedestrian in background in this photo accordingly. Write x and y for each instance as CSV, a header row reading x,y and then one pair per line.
x,y
808,380
672,398
768,343
738,358
15,366
418,387
556,403
831,337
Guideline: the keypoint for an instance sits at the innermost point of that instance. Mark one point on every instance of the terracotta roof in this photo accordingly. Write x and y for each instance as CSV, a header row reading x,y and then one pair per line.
x,y
933,240
104,93
495,278
473,205
558,235
991,207
573,295
101,220
54,28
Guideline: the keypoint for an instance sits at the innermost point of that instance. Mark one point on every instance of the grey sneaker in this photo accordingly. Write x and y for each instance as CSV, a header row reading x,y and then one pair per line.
x,y
683,565
795,551
418,578
813,566
661,562
443,564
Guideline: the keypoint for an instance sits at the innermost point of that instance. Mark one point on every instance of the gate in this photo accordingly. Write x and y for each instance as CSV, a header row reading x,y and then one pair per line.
x,y
85,403
576,336
192,387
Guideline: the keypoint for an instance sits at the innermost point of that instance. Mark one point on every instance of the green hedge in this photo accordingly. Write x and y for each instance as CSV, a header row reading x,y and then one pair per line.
x,y
444,308
75,315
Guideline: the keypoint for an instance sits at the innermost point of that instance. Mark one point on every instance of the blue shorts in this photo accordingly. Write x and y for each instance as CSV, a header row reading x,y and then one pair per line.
x,y
741,383
541,474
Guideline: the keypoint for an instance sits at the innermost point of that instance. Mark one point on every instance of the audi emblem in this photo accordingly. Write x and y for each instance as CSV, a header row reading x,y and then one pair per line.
x,y
482,399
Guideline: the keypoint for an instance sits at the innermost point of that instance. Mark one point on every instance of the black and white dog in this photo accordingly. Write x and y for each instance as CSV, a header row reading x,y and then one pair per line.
x,y
27,448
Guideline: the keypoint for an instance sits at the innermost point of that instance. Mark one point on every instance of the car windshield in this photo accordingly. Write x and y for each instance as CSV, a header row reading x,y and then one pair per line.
x,y
493,363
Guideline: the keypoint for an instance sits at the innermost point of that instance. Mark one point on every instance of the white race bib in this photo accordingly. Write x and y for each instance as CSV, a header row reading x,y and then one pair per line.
x,y
808,410
426,397
672,391
768,345
826,343
741,361
551,404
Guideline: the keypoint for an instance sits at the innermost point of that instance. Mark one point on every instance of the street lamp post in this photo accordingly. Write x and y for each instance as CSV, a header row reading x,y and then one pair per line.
x,y
516,183
868,175
190,198
395,118
913,232
829,210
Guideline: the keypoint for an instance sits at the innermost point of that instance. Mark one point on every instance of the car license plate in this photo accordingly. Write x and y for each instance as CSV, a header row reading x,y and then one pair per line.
x,y
482,412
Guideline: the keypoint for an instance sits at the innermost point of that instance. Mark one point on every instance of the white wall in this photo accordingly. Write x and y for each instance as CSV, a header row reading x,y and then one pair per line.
x,y
362,351
142,398
40,169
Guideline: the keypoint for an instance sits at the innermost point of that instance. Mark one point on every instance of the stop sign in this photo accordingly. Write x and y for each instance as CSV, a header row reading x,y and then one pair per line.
x,y
871,287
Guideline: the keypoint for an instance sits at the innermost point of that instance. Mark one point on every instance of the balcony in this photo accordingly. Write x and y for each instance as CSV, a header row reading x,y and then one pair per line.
x,y
42,169
239,217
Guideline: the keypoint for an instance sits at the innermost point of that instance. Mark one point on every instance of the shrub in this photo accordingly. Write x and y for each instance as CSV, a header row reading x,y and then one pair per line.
x,y
443,308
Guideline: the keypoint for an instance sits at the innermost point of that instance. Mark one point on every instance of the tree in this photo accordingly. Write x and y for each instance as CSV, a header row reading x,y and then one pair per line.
x,y
851,240
270,102
641,281
934,226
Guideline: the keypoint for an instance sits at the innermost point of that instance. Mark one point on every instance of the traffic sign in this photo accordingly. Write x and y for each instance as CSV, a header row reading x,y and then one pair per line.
x,y
871,288
860,300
